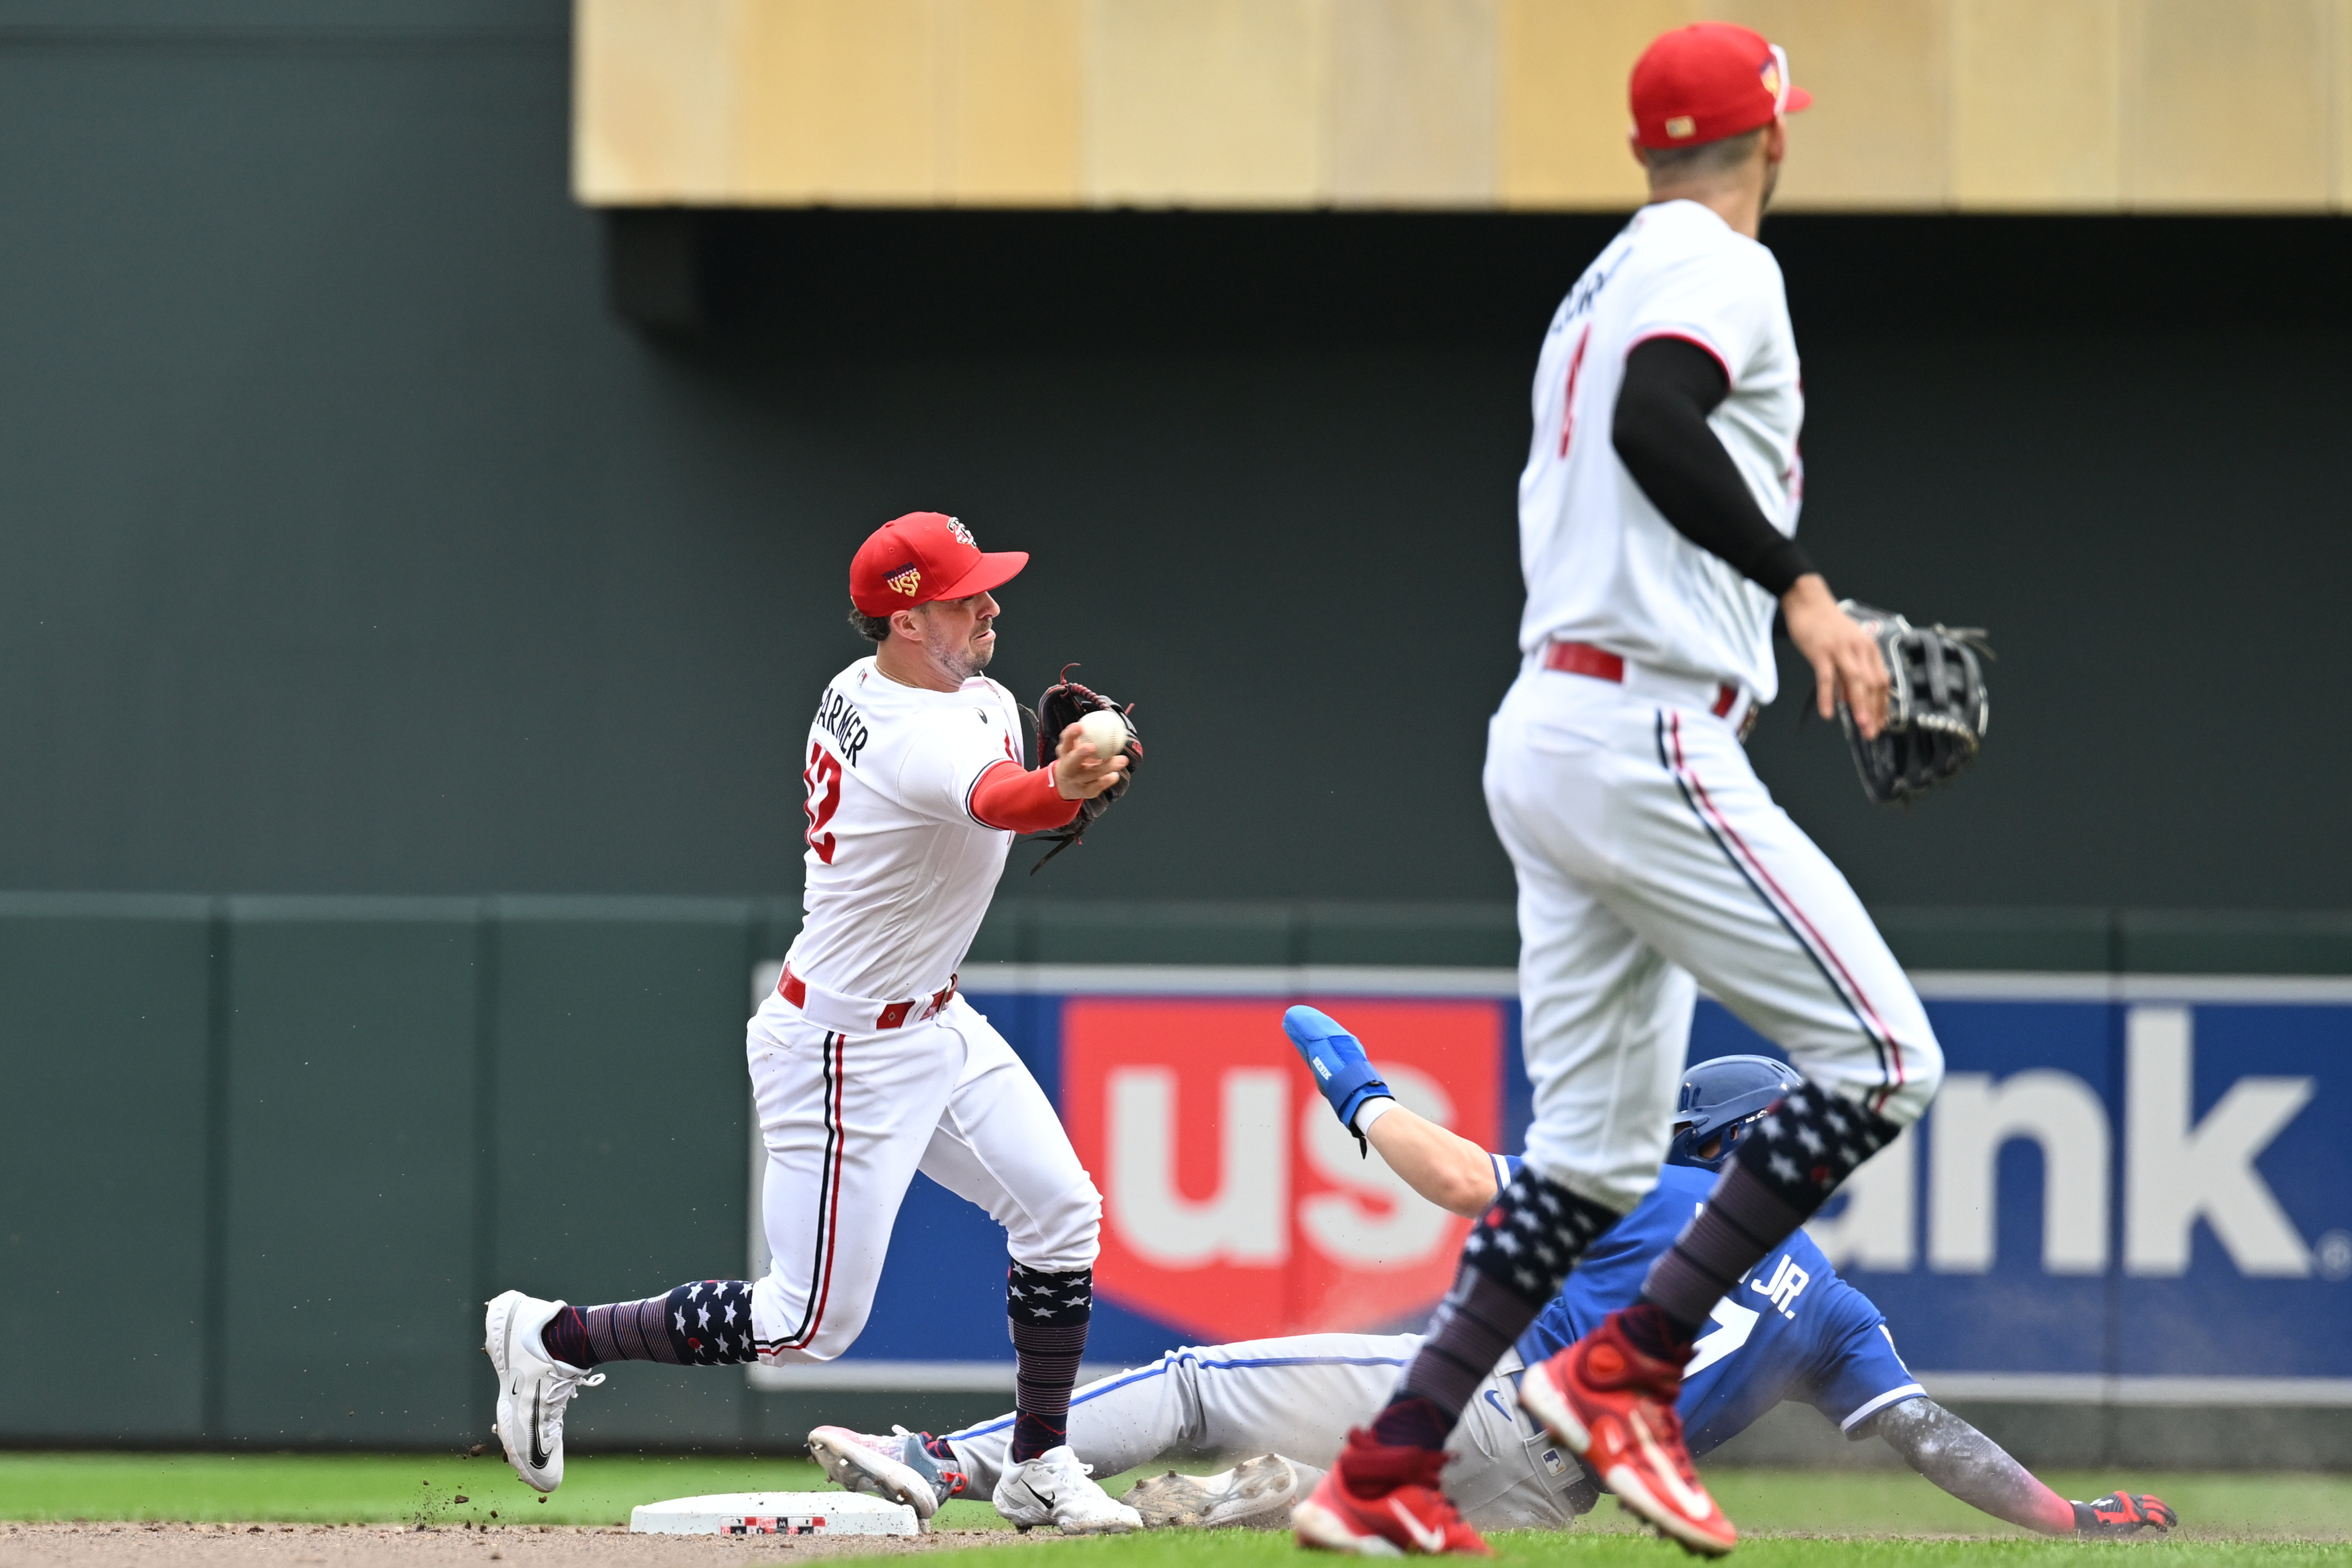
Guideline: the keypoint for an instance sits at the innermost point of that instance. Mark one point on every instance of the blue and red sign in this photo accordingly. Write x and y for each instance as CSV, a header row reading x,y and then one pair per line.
x,y
2155,1184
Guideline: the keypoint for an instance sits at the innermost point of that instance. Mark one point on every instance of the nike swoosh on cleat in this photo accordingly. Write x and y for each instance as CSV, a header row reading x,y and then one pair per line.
x,y
1688,1499
538,1454
1430,1540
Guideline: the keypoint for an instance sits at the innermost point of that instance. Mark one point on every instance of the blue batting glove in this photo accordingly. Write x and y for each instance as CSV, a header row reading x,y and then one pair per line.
x,y
1338,1061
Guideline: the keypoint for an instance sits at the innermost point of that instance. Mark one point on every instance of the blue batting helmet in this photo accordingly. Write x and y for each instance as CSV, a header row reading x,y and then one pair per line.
x,y
1720,1097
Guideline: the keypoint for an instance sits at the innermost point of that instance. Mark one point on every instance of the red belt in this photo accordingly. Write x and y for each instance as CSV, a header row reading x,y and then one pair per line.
x,y
790,986
1584,659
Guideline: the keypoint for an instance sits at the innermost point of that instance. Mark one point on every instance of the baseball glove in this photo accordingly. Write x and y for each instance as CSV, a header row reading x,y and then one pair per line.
x,y
1936,705
1065,703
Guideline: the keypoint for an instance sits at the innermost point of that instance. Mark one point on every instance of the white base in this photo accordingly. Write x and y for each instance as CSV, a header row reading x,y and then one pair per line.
x,y
775,1513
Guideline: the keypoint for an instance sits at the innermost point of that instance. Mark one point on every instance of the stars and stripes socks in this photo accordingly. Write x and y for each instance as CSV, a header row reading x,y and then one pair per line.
x,y
1780,1173
1513,1262
705,1323
1048,1314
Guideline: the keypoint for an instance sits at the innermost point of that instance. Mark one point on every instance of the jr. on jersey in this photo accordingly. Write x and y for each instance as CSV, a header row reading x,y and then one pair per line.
x,y
1602,565
1790,1330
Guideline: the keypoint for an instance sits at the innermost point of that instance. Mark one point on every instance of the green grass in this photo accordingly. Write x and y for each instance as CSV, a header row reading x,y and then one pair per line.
x,y
1229,1549
2267,1519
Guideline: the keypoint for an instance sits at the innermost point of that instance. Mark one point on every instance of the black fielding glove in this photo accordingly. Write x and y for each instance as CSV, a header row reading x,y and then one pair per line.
x,y
1937,709
1065,703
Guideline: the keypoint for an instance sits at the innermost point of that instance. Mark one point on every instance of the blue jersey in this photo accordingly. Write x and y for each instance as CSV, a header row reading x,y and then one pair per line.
x,y
1790,1330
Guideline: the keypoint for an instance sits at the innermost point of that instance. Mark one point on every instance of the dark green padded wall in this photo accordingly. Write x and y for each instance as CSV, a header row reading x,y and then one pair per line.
x,y
349,1243
623,1118
104,1150
310,1135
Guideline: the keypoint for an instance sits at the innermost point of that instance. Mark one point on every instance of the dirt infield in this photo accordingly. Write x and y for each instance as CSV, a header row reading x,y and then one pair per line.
x,y
395,1546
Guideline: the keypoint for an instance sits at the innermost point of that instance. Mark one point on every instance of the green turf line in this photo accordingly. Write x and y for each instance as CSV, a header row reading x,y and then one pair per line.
x,y
600,1490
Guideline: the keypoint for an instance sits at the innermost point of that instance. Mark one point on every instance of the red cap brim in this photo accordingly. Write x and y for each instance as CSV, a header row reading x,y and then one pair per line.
x,y
1797,99
991,570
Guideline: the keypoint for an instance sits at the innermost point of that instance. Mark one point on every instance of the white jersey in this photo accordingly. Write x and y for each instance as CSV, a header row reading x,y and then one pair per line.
x,y
1602,566
900,870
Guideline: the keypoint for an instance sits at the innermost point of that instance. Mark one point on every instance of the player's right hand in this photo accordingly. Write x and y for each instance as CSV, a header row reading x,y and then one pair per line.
x,y
1342,1069
1079,773
2123,1514
1846,663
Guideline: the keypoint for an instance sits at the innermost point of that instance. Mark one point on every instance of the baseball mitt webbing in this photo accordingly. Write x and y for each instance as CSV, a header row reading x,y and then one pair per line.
x,y
1065,703
1936,705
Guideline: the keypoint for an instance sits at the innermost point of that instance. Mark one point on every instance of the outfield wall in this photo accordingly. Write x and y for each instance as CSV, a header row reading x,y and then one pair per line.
x,y
264,1156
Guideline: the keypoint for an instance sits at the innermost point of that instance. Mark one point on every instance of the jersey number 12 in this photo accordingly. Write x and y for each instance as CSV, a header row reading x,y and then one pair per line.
x,y
823,778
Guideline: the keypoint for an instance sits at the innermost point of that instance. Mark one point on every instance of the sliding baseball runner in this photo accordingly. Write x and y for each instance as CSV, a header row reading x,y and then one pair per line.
x,y
1792,1330
866,1065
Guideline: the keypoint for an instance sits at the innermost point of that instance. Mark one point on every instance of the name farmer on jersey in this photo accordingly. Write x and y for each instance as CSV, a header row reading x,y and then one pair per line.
x,y
866,1066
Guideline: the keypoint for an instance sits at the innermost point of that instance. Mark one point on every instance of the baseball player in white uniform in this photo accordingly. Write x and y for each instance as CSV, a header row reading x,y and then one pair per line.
x,y
866,1065
1657,514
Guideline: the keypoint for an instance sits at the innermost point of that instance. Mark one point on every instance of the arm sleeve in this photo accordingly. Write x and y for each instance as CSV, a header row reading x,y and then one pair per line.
x,y
1022,802
1973,1468
1672,383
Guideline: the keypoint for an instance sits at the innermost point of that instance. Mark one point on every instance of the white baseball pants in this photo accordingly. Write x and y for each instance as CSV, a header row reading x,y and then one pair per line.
x,y
1298,1397
848,1119
1650,855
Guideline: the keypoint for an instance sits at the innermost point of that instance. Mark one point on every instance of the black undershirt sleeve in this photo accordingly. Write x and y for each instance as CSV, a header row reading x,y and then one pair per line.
x,y
1662,434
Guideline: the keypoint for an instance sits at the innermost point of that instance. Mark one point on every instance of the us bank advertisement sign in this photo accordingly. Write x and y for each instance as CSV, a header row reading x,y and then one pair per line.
x,y
2128,1189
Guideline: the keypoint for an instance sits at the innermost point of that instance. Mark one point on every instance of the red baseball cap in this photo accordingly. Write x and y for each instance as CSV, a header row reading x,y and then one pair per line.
x,y
1707,81
924,556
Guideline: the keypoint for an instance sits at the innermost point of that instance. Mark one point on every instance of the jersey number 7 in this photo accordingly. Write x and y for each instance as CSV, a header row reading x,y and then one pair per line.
x,y
822,779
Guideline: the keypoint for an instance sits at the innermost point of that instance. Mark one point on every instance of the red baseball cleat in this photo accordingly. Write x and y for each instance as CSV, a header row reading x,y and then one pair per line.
x,y
1379,1501
1615,1406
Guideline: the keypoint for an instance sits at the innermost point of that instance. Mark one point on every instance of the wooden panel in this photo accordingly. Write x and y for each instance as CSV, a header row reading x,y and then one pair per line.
x,y
2037,104
1207,102
2340,96
2027,105
1413,102
1016,83
839,100
2230,105
653,105
1877,134
1565,118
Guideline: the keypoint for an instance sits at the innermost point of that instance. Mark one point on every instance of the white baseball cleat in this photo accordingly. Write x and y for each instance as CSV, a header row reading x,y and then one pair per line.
x,y
1055,1489
534,1389
897,1467
1256,1494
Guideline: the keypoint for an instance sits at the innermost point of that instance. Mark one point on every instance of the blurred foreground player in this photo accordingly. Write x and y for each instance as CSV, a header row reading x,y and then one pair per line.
x,y
866,1065
1791,1331
1656,518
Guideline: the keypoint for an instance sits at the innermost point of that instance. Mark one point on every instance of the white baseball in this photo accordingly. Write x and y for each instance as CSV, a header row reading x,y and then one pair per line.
x,y
1105,731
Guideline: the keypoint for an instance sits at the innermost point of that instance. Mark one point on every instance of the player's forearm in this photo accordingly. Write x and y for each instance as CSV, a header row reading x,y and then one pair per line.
x,y
1447,1169
1018,801
1971,1466
1661,433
